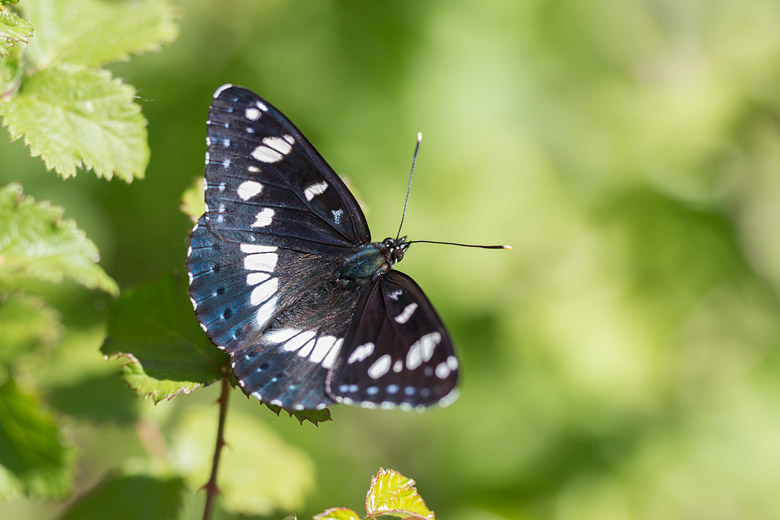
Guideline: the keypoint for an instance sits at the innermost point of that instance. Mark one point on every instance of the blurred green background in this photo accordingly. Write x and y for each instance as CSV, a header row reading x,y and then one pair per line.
x,y
619,363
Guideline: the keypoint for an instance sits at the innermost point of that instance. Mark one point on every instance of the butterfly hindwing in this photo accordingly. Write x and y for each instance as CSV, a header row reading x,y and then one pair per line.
x,y
397,351
266,183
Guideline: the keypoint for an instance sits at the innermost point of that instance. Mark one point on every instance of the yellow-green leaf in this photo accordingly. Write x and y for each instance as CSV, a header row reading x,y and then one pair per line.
x,y
36,242
79,118
338,513
393,494
12,29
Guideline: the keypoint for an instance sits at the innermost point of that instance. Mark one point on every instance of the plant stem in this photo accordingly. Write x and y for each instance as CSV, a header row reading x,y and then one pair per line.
x,y
211,486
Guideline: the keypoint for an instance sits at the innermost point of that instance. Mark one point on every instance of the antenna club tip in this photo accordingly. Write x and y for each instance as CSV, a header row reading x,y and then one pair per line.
x,y
419,136
506,247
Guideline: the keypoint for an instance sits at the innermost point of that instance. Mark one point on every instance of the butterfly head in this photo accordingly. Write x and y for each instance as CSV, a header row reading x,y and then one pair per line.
x,y
393,249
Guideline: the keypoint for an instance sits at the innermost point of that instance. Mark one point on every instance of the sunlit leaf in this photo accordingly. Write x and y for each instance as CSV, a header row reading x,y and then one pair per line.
x,y
91,32
26,323
137,497
79,118
34,459
338,513
155,328
393,494
36,242
192,203
12,29
259,472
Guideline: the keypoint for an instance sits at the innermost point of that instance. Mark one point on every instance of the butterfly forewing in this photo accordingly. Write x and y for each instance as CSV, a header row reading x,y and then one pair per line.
x,y
399,351
266,183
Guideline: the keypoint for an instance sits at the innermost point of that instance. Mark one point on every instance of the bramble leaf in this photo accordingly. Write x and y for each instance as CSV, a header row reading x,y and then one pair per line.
x,y
338,513
192,203
154,326
138,497
12,29
34,460
35,242
74,117
393,494
261,472
26,323
91,32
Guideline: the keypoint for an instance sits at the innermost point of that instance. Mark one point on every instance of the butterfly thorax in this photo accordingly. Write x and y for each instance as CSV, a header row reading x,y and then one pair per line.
x,y
374,259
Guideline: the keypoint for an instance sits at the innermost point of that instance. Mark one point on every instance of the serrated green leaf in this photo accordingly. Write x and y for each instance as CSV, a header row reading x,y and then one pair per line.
x,y
158,389
10,72
34,459
154,326
12,29
26,323
259,472
9,2
338,513
393,494
192,203
92,32
73,117
137,497
35,242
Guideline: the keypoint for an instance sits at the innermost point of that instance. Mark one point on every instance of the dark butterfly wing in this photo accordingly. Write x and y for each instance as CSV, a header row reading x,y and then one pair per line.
x,y
397,350
266,184
264,258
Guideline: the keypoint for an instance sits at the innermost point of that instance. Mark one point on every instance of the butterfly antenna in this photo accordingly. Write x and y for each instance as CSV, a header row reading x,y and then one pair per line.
x,y
409,188
458,244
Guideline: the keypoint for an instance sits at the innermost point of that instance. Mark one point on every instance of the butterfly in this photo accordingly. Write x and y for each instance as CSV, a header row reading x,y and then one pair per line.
x,y
284,277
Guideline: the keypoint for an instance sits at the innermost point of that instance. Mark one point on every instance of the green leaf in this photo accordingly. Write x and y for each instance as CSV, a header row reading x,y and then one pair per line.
x,y
338,513
93,32
35,242
12,29
34,459
26,323
9,2
192,203
393,494
137,497
74,117
154,326
10,72
259,472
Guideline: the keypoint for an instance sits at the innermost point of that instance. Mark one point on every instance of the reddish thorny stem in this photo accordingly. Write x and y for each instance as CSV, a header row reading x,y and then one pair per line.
x,y
211,486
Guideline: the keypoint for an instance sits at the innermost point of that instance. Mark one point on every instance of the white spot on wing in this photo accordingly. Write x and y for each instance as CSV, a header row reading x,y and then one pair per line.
x,y
256,278
395,294
315,189
299,340
248,189
265,312
380,367
263,217
267,155
422,350
289,139
261,106
330,359
442,370
280,335
398,366
360,353
221,89
261,262
337,214
406,313
254,248
264,291
253,169
279,144
322,348
252,114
